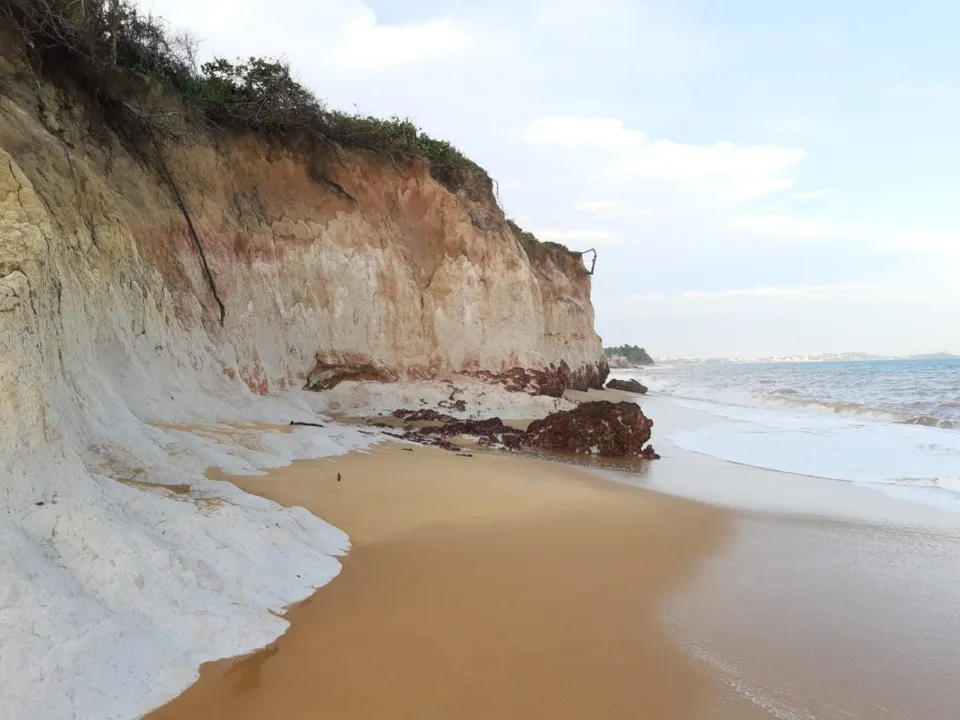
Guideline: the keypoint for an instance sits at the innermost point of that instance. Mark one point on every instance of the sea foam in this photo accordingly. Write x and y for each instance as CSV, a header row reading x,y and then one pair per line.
x,y
837,421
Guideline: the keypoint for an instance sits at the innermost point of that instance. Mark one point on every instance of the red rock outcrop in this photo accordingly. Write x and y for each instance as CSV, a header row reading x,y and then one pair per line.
x,y
593,428
552,380
630,386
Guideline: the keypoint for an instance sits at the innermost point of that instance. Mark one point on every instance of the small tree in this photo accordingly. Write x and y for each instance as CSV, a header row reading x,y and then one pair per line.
x,y
633,354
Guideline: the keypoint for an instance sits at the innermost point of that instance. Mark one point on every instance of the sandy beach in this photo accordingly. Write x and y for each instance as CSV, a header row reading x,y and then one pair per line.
x,y
488,586
502,586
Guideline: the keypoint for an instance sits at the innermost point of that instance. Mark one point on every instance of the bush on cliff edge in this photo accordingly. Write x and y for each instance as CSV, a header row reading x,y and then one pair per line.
x,y
101,42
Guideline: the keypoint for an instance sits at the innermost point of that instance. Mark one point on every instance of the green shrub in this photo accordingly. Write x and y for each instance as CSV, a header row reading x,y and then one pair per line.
x,y
102,39
528,239
393,135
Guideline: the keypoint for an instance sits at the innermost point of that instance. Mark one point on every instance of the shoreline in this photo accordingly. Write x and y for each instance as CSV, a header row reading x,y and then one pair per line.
x,y
490,586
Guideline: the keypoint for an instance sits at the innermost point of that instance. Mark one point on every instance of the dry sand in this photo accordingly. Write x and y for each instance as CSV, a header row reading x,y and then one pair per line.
x,y
491,587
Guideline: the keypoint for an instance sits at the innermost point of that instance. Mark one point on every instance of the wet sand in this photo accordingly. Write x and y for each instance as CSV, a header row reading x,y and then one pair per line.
x,y
484,587
828,600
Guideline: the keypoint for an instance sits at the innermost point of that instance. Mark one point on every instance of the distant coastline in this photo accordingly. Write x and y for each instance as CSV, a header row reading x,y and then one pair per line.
x,y
818,358
627,356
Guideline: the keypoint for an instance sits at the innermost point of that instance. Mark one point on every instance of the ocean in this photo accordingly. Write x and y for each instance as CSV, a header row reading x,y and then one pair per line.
x,y
893,424
835,596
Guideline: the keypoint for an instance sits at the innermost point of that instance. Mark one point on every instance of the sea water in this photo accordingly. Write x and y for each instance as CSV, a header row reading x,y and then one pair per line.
x,y
828,600
895,424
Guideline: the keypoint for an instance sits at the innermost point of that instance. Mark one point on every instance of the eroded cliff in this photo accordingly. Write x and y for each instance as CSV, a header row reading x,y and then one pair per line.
x,y
145,284
284,264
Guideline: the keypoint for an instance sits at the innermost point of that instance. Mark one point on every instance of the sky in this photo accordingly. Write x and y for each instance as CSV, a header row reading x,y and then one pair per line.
x,y
758,178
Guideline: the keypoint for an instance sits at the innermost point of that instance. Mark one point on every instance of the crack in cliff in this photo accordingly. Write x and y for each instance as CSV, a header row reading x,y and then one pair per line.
x,y
7,269
241,215
66,146
17,181
336,187
315,172
259,210
58,286
182,204
55,128
261,216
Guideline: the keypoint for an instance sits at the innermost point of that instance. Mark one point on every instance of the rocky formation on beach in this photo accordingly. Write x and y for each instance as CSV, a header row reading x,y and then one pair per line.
x,y
593,428
601,428
552,380
631,386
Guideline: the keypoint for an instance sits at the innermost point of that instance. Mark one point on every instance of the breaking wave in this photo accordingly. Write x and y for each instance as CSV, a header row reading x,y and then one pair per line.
x,y
925,393
893,426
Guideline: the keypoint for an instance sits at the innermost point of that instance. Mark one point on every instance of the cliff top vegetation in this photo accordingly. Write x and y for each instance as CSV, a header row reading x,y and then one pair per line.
x,y
104,44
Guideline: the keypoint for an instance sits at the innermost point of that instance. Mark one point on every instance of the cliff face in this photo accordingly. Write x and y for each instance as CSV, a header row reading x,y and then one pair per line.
x,y
274,265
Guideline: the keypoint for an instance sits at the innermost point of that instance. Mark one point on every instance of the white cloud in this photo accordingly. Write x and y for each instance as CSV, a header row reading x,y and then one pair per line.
x,y
367,45
930,244
580,239
570,132
647,35
923,91
608,209
598,206
727,171
783,225
813,194
810,292
338,36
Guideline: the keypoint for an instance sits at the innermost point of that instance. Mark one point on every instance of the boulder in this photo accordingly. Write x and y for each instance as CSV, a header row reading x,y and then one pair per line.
x,y
593,428
631,386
